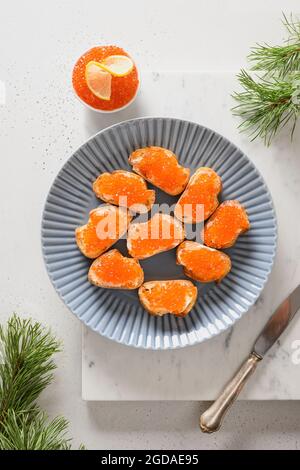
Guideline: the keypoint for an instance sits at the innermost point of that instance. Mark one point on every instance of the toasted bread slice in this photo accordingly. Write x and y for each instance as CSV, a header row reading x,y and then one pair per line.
x,y
161,233
176,297
202,263
105,226
125,189
228,222
200,198
114,271
160,167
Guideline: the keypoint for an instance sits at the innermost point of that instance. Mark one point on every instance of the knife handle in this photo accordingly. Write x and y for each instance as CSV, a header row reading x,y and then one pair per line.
x,y
211,419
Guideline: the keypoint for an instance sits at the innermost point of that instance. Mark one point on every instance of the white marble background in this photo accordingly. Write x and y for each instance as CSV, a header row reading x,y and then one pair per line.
x,y
114,372
42,123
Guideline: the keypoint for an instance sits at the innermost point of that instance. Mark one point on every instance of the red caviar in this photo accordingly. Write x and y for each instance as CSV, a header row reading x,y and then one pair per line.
x,y
123,89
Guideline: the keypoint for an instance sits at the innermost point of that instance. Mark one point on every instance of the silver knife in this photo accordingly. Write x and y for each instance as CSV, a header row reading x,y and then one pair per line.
x,y
211,419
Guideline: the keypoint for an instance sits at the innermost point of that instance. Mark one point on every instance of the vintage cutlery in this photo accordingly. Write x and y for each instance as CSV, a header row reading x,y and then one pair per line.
x,y
211,419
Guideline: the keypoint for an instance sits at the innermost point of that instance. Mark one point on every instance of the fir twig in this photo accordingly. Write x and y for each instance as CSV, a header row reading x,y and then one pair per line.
x,y
24,431
27,364
293,28
267,103
283,58
26,368
266,106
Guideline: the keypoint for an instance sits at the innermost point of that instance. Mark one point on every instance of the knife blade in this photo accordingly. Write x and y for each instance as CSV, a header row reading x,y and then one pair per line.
x,y
211,419
277,323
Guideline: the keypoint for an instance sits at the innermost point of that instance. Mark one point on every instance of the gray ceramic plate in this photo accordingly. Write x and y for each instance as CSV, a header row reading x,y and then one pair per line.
x,y
118,315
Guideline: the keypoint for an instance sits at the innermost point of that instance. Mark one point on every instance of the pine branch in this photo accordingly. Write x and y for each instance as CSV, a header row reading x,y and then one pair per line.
x,y
27,364
26,368
268,103
293,28
24,431
284,58
266,106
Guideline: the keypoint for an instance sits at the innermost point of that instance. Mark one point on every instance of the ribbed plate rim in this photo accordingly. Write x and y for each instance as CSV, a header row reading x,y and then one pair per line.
x,y
212,334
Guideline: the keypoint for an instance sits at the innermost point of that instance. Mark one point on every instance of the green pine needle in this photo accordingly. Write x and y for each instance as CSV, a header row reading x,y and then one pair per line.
x,y
266,106
292,26
282,59
268,103
24,431
26,368
27,364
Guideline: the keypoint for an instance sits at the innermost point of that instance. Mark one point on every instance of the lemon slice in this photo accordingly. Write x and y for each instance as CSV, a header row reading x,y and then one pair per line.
x,y
118,65
98,80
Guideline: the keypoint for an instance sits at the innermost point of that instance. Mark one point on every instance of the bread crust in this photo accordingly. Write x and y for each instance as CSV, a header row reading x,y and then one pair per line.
x,y
146,295
139,207
210,265
209,206
136,231
138,155
124,218
240,223
125,264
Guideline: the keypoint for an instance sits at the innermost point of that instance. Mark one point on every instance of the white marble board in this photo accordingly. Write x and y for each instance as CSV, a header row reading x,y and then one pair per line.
x,y
114,372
